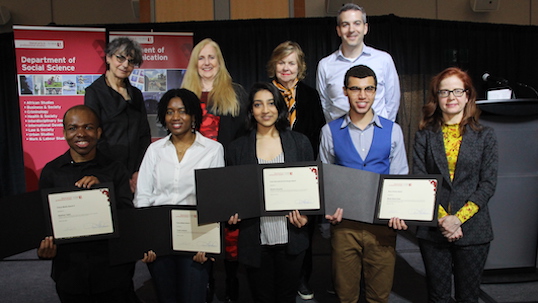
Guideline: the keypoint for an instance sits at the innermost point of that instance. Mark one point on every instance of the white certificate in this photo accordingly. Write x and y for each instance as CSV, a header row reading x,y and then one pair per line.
x,y
187,235
291,188
408,199
81,213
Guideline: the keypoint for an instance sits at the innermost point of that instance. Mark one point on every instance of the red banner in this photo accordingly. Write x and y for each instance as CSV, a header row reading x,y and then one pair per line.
x,y
54,66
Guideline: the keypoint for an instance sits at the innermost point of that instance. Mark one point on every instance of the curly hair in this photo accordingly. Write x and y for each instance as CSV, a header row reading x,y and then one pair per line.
x,y
190,101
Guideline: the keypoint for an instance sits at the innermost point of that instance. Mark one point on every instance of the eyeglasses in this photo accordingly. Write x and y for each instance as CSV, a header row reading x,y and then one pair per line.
x,y
369,90
458,92
122,58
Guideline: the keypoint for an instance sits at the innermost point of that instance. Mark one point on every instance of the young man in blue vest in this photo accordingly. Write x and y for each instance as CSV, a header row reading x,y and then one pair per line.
x,y
363,140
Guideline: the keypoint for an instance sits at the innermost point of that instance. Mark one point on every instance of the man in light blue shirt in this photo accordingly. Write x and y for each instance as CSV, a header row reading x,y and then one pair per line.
x,y
351,28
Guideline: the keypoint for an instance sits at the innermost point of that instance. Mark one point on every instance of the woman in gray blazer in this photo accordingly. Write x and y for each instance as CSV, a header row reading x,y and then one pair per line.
x,y
452,143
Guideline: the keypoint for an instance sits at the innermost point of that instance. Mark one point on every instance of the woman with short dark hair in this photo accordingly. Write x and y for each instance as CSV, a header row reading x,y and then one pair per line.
x,y
120,106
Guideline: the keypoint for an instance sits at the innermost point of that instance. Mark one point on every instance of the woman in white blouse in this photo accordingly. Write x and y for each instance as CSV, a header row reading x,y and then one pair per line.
x,y
166,177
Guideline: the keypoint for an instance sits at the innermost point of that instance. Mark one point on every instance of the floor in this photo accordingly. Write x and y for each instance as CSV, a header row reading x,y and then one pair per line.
x,y
24,278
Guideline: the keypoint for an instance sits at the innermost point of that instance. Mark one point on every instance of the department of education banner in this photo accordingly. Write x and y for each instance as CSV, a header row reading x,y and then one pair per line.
x,y
166,56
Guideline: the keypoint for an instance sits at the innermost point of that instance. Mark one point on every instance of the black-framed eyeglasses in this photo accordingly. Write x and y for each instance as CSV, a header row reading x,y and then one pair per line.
x,y
368,90
458,92
122,58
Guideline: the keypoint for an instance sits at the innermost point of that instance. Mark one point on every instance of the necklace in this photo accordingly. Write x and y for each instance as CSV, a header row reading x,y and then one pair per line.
x,y
181,147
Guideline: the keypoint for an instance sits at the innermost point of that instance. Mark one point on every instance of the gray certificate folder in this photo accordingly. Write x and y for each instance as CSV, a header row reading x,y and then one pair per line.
x,y
353,190
359,194
222,192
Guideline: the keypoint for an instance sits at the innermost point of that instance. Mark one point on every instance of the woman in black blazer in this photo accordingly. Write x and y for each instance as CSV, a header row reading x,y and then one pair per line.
x,y
120,107
287,68
271,248
452,143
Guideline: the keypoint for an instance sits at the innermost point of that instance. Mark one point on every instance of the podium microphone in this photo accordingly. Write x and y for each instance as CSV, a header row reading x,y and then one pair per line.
x,y
487,77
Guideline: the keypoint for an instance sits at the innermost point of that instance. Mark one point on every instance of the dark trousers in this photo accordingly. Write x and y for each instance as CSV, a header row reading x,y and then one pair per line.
x,y
306,270
466,263
277,279
180,279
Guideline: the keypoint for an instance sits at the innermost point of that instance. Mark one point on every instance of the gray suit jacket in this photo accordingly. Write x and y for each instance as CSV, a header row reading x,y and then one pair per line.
x,y
475,179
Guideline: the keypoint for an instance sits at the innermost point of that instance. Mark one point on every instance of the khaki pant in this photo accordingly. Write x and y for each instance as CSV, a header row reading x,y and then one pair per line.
x,y
363,247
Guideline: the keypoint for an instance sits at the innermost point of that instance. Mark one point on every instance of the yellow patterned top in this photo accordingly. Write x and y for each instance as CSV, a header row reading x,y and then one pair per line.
x,y
452,139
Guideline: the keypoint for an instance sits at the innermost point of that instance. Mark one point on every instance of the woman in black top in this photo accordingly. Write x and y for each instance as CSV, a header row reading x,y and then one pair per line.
x,y
120,106
271,248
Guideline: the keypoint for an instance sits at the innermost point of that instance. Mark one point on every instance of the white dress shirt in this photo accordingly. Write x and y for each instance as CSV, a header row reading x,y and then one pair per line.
x,y
163,180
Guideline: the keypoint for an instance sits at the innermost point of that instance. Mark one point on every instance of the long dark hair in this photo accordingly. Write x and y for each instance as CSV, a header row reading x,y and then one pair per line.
x,y
190,101
282,122
432,116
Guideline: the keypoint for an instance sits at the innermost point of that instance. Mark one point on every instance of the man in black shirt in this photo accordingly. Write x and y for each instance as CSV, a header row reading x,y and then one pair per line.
x,y
82,270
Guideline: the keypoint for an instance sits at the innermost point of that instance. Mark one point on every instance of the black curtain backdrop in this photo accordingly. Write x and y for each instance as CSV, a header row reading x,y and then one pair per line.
x,y
11,164
421,48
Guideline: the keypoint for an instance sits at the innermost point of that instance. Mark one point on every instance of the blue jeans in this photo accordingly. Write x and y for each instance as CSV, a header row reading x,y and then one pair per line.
x,y
179,279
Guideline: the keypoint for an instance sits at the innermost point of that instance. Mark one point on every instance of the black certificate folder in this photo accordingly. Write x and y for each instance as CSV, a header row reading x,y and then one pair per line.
x,y
74,214
165,229
373,198
259,190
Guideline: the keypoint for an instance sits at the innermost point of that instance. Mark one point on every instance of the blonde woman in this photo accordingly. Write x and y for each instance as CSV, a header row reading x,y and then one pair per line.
x,y
223,102
223,119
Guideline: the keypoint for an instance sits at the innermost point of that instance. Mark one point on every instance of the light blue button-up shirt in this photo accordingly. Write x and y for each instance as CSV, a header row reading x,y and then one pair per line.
x,y
330,83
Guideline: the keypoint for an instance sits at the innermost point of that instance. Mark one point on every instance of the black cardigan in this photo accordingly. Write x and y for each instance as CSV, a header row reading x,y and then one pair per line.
x,y
310,118
296,148
126,134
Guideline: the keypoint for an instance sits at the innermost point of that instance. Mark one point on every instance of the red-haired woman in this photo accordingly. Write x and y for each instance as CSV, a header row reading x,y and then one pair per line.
x,y
452,143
